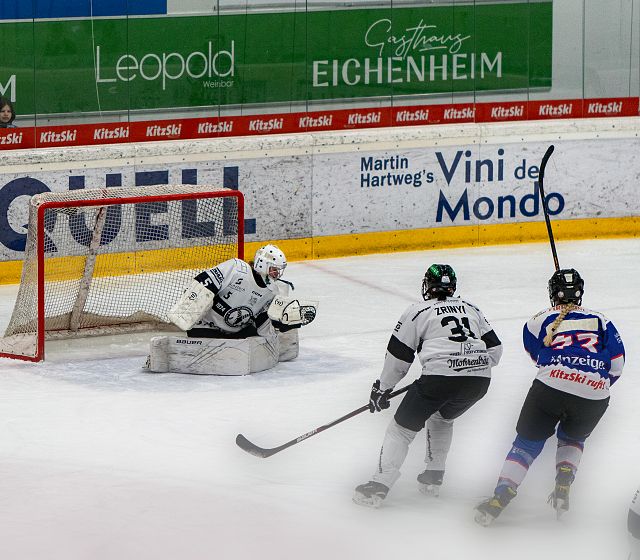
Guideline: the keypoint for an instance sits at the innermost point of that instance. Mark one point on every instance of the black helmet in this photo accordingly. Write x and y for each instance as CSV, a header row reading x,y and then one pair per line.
x,y
439,282
566,286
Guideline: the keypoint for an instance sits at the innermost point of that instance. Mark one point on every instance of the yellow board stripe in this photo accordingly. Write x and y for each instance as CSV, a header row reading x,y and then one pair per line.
x,y
359,244
451,237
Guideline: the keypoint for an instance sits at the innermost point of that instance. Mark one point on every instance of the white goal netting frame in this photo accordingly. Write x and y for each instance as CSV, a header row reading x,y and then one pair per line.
x,y
114,260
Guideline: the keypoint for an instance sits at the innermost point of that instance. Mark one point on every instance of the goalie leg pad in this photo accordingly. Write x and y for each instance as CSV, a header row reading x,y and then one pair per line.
x,y
211,356
289,345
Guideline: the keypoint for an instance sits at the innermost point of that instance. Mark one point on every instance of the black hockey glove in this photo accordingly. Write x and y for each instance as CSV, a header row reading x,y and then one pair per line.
x,y
379,400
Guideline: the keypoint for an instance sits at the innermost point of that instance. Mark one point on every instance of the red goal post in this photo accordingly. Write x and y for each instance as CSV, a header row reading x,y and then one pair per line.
x,y
114,260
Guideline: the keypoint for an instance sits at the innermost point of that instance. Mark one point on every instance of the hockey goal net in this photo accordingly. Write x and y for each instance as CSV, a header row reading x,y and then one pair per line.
x,y
114,260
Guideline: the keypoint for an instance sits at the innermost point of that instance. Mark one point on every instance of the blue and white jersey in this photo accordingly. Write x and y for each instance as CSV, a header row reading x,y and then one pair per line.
x,y
586,355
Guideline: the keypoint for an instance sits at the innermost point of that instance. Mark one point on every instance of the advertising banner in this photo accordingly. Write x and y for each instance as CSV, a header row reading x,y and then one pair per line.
x,y
316,121
148,63
374,190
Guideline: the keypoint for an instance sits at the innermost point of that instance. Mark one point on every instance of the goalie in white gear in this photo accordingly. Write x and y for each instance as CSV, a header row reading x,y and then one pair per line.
x,y
226,315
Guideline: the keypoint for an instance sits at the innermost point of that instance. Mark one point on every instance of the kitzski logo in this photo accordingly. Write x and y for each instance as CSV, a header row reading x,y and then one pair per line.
x,y
266,125
111,133
460,114
548,110
11,138
411,116
317,122
506,112
368,118
157,130
215,128
604,108
51,137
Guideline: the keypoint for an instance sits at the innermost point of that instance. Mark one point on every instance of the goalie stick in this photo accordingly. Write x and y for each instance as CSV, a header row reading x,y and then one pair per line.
x,y
543,166
263,453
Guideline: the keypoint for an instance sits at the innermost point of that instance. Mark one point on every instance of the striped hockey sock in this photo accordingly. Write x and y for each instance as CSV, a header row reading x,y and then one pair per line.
x,y
516,465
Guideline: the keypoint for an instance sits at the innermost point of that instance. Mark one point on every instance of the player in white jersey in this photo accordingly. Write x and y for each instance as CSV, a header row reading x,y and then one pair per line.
x,y
633,524
457,348
579,355
234,301
242,295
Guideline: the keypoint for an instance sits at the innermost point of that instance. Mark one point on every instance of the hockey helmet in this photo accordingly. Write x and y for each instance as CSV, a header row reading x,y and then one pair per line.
x,y
566,286
269,263
439,282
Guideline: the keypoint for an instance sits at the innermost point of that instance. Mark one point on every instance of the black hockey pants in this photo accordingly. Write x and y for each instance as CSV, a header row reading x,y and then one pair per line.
x,y
545,407
447,394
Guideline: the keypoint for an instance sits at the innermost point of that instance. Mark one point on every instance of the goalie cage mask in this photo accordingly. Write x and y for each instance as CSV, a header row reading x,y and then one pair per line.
x,y
267,257
439,282
566,286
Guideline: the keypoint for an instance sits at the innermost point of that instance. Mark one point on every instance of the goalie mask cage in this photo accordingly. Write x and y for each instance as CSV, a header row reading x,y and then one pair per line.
x,y
114,260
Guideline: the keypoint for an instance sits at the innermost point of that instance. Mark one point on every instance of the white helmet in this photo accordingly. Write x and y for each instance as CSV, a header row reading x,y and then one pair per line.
x,y
269,263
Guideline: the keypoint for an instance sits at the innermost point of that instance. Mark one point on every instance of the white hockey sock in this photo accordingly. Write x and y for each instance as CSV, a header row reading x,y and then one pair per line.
x,y
439,437
393,453
569,453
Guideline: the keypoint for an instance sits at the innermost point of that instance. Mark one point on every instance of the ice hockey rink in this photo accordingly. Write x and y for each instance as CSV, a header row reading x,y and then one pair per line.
x,y
100,460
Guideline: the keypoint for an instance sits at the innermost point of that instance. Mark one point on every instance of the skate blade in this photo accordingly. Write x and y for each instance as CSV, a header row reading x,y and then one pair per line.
x,y
483,518
560,505
370,502
432,490
561,508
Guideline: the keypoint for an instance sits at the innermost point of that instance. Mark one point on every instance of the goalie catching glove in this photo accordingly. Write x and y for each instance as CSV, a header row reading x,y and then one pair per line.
x,y
292,312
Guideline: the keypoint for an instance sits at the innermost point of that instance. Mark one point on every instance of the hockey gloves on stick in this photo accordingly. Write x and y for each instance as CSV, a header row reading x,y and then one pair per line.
x,y
379,400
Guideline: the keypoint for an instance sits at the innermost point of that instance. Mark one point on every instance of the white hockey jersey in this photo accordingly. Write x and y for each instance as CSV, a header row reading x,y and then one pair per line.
x,y
451,337
239,300
633,522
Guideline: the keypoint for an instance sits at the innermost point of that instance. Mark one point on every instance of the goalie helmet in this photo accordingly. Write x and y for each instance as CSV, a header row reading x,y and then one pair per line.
x,y
439,282
566,286
269,263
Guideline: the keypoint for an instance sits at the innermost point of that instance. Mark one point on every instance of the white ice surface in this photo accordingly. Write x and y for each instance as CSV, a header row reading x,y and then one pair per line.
x,y
99,460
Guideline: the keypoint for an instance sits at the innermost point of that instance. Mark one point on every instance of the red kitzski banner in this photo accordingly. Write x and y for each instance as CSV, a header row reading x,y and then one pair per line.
x,y
338,119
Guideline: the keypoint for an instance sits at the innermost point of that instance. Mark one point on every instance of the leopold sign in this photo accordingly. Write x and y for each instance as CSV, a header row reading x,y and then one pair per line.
x,y
116,64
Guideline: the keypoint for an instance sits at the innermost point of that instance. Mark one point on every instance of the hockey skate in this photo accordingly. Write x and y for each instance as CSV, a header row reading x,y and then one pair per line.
x,y
489,510
370,494
430,482
559,498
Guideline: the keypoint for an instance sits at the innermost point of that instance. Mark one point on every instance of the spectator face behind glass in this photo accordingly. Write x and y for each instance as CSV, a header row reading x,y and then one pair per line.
x,y
7,113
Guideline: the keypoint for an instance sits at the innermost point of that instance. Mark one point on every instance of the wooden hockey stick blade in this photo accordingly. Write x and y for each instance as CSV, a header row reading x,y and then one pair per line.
x,y
257,451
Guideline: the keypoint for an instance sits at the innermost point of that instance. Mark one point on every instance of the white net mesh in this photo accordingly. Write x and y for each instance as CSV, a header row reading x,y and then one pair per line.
x,y
117,264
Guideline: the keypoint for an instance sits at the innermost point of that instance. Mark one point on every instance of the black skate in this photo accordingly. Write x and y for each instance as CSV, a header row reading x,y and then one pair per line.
x,y
559,498
370,494
430,482
489,510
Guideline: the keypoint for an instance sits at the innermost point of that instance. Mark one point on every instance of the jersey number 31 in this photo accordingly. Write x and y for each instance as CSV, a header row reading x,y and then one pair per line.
x,y
460,332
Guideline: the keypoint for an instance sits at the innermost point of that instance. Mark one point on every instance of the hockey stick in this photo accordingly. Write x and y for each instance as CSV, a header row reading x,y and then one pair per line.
x,y
543,166
263,453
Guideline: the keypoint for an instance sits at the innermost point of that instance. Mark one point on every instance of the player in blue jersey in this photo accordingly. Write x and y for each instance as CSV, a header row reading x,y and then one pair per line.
x,y
579,355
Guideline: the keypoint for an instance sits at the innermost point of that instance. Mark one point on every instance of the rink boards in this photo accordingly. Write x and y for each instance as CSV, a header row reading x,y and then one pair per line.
x,y
381,190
